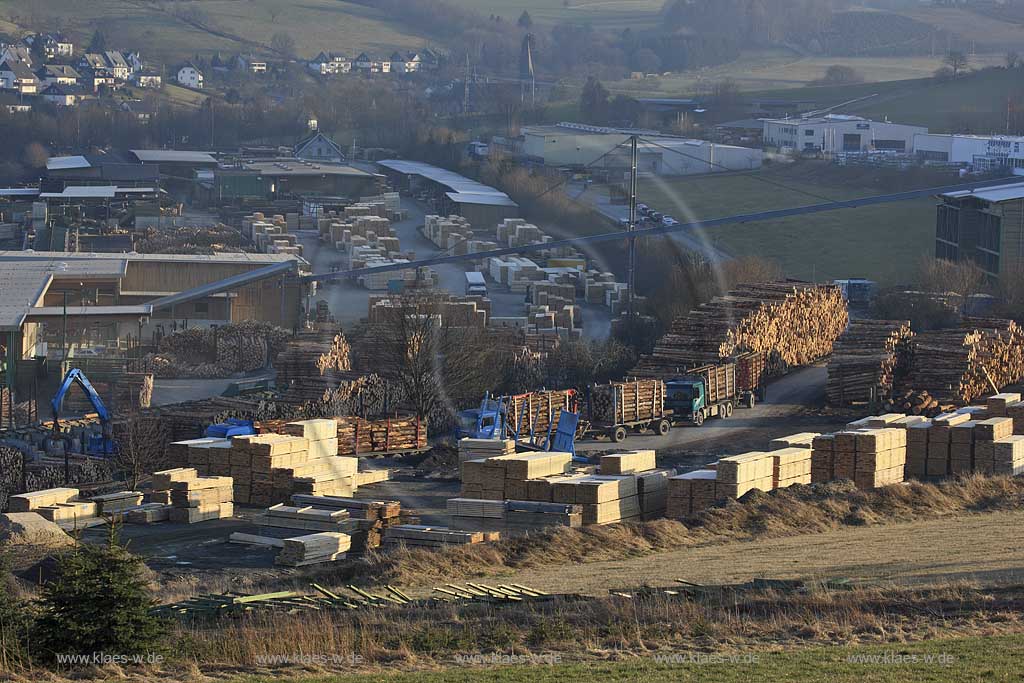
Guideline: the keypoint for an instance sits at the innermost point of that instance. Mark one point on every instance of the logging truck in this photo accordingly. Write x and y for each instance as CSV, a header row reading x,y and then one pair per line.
x,y
716,390
616,408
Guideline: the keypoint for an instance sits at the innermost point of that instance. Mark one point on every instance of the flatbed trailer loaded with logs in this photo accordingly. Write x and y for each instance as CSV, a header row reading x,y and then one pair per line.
x,y
616,408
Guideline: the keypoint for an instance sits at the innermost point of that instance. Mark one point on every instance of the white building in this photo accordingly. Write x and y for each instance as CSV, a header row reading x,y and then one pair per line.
x,y
580,145
190,76
983,152
836,133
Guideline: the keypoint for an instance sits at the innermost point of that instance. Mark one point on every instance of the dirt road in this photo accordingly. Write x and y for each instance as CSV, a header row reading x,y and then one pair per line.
x,y
980,548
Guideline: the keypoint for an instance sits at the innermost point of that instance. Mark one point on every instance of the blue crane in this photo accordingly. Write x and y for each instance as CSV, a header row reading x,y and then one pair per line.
x,y
99,444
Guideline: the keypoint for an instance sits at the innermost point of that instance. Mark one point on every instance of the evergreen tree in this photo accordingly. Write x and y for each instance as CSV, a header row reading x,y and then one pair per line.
x,y
98,603
15,622
594,101
98,42
525,21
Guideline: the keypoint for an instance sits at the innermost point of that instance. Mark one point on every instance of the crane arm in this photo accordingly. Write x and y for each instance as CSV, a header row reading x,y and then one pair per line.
x,y
76,376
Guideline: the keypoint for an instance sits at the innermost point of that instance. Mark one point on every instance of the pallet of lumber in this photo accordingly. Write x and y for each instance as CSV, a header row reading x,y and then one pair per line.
x,y
790,466
652,490
72,511
164,480
475,449
998,405
791,323
32,501
628,463
149,513
110,503
416,535
313,549
865,360
202,499
1007,456
877,458
362,509
681,492
1016,411
801,440
823,459
917,449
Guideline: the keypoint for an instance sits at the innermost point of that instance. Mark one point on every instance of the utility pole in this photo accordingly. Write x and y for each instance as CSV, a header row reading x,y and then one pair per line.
x,y
631,266
465,88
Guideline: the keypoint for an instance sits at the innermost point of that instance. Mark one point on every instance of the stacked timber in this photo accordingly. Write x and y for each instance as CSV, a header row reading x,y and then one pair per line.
x,y
506,477
118,502
791,323
791,466
987,434
201,499
690,489
272,467
940,440
1008,456
605,499
631,401
358,436
917,449
477,449
871,457
864,361
367,519
823,458
801,440
738,474
999,405
301,551
421,536
652,490
1016,411
956,365
628,463
313,355
32,501
916,402
510,516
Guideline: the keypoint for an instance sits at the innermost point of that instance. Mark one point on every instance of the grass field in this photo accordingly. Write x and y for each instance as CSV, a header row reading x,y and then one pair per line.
x,y
612,14
314,25
960,660
883,243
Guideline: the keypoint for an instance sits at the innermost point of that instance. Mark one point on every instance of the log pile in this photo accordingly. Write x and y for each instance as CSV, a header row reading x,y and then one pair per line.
x,y
317,355
864,361
955,365
357,436
209,353
792,323
621,402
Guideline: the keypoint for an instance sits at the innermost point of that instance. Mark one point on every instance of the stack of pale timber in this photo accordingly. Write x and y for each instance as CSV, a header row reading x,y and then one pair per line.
x,y
200,499
510,516
357,436
416,535
313,549
368,519
871,457
791,466
628,463
738,474
940,440
989,440
1016,411
505,477
111,503
792,323
823,458
477,449
32,501
621,402
605,499
864,361
801,440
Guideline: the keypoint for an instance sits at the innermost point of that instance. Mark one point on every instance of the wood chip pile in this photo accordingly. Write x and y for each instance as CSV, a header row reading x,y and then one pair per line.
x,y
792,323
864,361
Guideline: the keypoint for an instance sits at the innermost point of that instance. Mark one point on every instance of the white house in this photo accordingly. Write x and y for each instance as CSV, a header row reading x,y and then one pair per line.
x,y
190,76
57,74
17,76
59,95
146,79
318,147
836,133
330,64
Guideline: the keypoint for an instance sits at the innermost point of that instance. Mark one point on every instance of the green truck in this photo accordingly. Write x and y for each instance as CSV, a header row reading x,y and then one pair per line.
x,y
716,390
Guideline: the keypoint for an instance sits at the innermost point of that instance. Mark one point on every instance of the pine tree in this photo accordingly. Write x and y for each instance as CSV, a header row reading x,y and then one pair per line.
x,y
98,42
525,21
98,604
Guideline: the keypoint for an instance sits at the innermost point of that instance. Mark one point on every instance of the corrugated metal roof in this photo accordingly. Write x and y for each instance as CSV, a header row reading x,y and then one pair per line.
x,y
486,199
185,258
18,192
135,310
65,163
173,156
82,192
996,193
453,181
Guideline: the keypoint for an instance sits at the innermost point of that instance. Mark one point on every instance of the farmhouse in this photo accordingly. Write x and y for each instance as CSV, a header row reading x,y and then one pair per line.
x,y
836,133
190,76
19,77
57,74
984,227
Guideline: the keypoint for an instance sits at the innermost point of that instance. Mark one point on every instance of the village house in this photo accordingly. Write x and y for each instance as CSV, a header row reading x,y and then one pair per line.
x,y
190,76
60,95
318,147
147,79
330,64
55,45
57,74
18,76
17,53
252,64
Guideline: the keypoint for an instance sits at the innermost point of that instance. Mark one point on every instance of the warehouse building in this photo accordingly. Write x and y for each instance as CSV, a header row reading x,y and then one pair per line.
x,y
984,226
580,146
450,193
270,178
981,152
835,133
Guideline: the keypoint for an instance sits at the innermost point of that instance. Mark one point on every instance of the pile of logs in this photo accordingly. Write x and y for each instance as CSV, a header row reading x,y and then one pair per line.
x,y
865,359
915,403
209,353
314,355
358,436
955,366
792,323
120,394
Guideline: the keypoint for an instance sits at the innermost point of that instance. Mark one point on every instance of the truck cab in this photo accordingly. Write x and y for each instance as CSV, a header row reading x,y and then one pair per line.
x,y
687,398
477,423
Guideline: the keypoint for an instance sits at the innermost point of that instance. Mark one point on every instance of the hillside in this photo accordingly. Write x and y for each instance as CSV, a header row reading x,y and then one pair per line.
x,y
170,31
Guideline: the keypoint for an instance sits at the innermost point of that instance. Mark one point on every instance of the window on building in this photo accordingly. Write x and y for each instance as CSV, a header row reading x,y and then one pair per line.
x,y
201,308
808,131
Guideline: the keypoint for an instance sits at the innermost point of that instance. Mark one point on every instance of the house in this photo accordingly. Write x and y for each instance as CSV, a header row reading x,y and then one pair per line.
x,y
19,77
60,95
57,74
117,64
190,76
54,44
92,60
13,103
398,62
370,65
252,64
318,147
147,79
330,64
983,227
96,79
143,111
17,53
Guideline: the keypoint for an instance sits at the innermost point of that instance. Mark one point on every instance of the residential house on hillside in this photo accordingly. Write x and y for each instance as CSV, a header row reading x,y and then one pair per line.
x,y
61,95
318,147
17,53
252,64
371,65
330,64
96,79
190,76
54,44
57,74
118,65
18,76
147,79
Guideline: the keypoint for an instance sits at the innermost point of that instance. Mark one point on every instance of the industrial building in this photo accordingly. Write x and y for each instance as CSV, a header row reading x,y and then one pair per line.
x,y
450,193
984,226
582,146
981,152
835,133
269,178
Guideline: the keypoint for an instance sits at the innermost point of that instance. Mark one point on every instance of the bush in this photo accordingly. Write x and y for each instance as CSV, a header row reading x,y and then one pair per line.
x,y
99,603
15,622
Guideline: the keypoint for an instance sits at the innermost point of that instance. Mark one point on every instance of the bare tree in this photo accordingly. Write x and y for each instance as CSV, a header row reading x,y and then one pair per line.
x,y
938,275
283,44
139,448
957,61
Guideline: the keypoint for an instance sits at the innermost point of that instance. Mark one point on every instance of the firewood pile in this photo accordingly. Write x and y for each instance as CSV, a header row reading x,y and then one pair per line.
x,y
191,240
955,365
792,323
208,353
865,360
916,403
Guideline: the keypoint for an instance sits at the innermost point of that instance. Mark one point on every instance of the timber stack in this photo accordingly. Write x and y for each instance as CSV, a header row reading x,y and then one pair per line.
x,y
357,436
865,360
956,365
314,355
791,323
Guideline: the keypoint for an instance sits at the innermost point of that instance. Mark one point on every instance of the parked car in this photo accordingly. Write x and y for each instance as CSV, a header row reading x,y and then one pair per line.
x,y
668,220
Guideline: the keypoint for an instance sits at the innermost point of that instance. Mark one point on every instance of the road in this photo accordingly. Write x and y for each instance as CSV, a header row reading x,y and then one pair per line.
x,y
789,409
349,302
689,240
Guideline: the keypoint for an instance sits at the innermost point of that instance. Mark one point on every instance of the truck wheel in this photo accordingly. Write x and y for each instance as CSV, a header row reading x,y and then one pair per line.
x,y
663,427
618,434
751,400
698,419
728,410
